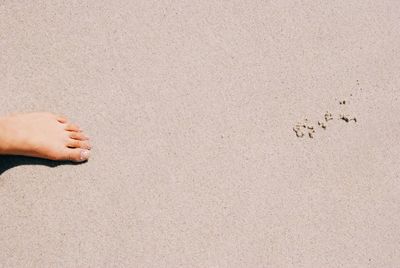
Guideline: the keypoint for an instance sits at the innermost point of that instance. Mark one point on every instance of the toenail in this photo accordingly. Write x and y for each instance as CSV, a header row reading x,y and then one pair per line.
x,y
85,155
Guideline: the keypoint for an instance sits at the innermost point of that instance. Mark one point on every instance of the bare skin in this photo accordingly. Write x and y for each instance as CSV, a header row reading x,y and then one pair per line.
x,y
43,135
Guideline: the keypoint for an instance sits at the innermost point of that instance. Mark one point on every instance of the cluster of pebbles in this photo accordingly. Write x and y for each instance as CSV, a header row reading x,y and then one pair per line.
x,y
305,128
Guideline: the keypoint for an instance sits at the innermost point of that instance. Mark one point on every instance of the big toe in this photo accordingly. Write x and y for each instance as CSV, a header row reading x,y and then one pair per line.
x,y
77,154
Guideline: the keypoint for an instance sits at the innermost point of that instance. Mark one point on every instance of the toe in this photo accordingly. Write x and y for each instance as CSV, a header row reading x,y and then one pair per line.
x,y
78,136
78,144
62,119
72,127
77,155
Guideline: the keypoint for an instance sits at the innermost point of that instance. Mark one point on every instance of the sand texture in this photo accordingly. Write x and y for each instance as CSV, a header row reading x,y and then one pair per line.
x,y
226,133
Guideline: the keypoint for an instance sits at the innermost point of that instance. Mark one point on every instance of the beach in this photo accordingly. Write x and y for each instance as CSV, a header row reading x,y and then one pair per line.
x,y
224,133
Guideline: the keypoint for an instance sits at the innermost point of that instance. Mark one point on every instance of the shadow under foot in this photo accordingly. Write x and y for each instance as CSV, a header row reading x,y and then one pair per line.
x,y
8,162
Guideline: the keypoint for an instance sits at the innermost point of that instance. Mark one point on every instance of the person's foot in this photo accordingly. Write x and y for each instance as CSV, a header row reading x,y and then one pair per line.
x,y
43,135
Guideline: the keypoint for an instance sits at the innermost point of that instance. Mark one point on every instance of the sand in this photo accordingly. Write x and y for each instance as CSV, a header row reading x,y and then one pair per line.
x,y
191,106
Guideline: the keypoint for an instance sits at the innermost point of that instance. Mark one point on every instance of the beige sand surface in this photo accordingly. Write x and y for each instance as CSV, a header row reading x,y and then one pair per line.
x,y
191,107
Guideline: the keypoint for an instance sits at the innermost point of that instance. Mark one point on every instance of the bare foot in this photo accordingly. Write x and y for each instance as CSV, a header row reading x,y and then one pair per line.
x,y
43,135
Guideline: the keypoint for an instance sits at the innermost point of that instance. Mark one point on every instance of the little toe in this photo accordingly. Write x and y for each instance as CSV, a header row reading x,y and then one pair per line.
x,y
79,144
62,119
